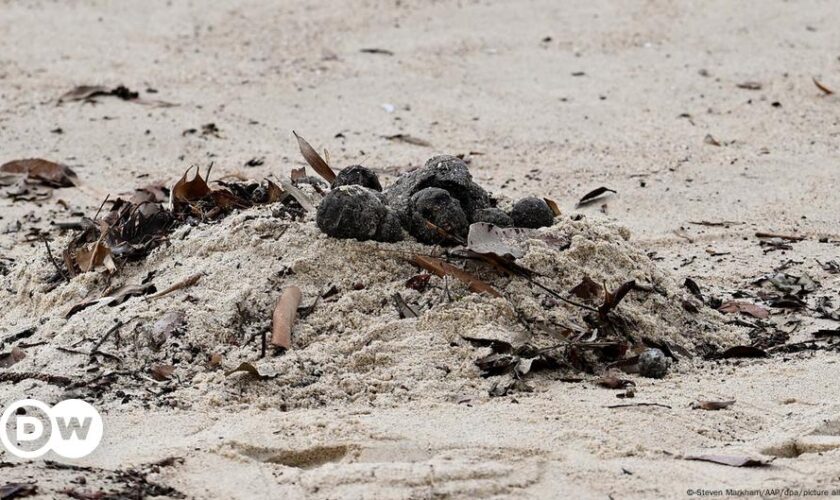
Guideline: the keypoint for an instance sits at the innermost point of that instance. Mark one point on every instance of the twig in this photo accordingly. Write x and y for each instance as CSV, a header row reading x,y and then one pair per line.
x,y
102,205
189,281
781,236
52,259
625,405
16,377
105,337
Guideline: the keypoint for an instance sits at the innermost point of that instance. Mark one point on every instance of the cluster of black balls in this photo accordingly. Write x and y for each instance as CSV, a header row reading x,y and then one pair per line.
x,y
441,192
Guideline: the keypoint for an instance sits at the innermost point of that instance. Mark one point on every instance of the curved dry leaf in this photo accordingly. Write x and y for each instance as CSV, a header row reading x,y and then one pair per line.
x,y
594,195
823,88
314,159
190,190
93,255
299,195
754,310
553,206
484,239
248,369
587,289
46,172
441,268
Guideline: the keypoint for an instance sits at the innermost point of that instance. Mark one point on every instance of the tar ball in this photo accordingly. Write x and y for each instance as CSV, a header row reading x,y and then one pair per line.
x,y
532,213
357,175
441,209
653,363
495,216
357,212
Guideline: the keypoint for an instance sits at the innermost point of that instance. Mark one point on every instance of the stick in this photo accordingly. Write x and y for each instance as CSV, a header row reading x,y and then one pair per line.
x,y
189,281
284,316
49,253
639,404
782,236
105,337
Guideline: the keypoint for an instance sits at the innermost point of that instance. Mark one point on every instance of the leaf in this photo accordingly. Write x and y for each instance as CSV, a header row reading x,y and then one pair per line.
x,y
749,85
17,490
283,317
298,174
553,206
441,268
162,372
84,93
186,191
43,171
694,288
250,370
614,382
825,90
314,159
743,351
374,50
124,293
418,282
612,299
299,195
404,310
7,359
712,405
93,255
593,195
587,289
408,139
754,310
730,460
487,239
710,140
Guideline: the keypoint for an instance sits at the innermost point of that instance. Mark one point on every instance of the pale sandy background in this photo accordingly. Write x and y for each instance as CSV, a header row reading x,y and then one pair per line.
x,y
495,78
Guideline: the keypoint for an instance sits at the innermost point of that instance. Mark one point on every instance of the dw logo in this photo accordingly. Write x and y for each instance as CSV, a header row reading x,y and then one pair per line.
x,y
30,428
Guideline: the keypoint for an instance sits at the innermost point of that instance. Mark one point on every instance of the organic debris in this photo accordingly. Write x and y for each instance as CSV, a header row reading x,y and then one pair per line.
x,y
749,85
594,195
37,170
825,90
731,461
441,268
736,306
283,318
712,405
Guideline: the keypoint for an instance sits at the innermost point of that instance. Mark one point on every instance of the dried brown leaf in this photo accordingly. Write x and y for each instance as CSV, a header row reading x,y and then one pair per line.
x,y
46,172
823,88
735,306
587,289
553,206
162,372
614,382
314,159
93,255
250,370
7,359
594,195
441,268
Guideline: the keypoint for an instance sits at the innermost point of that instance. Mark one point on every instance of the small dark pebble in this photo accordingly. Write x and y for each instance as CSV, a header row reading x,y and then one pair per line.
x,y
359,176
441,209
653,364
532,213
495,216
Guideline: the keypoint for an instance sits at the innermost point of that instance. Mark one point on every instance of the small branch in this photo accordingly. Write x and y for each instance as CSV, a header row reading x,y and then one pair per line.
x,y
52,259
105,337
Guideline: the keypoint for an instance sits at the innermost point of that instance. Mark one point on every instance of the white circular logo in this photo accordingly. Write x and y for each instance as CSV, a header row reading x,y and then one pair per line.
x,y
72,428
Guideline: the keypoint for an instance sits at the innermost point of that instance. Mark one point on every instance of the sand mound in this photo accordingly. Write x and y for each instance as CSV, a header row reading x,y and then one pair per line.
x,y
350,344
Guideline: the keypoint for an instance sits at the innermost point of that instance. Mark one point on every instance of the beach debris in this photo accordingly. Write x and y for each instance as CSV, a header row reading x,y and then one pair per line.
x,y
283,318
743,351
446,172
314,159
532,213
357,175
495,216
250,372
166,326
90,93
748,308
653,363
437,206
831,266
594,195
825,90
375,50
553,206
41,171
124,293
711,141
10,491
184,283
409,139
419,282
487,239
403,308
611,382
442,268
162,373
357,212
712,405
731,461
749,85
7,359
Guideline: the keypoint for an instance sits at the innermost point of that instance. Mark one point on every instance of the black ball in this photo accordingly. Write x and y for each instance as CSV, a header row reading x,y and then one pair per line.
x,y
495,216
532,212
359,176
441,209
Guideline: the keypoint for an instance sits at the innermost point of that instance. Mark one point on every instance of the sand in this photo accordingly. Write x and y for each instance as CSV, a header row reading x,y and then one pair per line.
x,y
480,79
